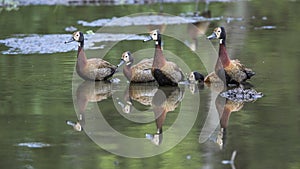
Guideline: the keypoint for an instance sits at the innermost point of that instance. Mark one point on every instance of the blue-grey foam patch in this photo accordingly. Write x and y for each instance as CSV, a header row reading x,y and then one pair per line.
x,y
34,145
145,20
54,43
268,27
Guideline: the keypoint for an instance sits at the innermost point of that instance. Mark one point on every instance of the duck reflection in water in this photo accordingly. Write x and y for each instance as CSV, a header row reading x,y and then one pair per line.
x,y
166,99
229,101
224,114
89,91
198,28
196,81
138,96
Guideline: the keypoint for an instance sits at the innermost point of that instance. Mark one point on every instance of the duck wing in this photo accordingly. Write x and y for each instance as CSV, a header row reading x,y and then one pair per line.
x,y
174,71
248,71
101,68
141,72
238,71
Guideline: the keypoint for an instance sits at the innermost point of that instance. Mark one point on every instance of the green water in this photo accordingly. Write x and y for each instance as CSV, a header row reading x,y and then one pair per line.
x,y
36,96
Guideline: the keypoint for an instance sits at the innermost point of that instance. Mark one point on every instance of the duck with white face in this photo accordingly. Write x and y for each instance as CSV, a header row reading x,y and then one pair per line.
x,y
231,71
93,69
166,73
219,33
138,73
196,77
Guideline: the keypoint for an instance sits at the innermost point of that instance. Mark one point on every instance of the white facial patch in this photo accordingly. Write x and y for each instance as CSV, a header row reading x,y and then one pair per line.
x,y
154,35
218,32
192,77
76,36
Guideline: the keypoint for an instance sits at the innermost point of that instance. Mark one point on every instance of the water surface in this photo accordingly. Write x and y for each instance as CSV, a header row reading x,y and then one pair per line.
x,y
37,92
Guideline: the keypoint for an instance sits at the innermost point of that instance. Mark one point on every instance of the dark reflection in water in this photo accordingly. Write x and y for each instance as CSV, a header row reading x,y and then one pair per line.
x,y
198,29
138,94
165,99
89,91
224,113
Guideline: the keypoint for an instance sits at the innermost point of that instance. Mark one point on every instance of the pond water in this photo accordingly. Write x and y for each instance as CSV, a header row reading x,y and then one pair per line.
x,y
40,90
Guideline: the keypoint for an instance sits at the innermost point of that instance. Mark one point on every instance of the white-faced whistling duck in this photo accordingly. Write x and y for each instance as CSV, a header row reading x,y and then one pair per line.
x,y
138,73
235,72
166,73
93,69
196,77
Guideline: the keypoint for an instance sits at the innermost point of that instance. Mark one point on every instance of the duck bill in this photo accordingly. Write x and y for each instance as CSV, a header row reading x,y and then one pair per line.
x,y
212,36
148,39
121,63
70,40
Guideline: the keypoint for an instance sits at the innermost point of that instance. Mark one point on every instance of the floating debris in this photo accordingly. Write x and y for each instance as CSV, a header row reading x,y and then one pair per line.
x,y
242,95
265,27
34,145
145,20
264,18
188,157
230,19
46,44
70,29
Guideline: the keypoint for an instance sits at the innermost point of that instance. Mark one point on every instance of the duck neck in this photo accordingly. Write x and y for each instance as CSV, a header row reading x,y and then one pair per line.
x,y
127,71
223,56
159,59
81,58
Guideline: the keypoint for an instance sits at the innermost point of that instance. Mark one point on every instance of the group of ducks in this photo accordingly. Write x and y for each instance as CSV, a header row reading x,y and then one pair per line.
x,y
164,72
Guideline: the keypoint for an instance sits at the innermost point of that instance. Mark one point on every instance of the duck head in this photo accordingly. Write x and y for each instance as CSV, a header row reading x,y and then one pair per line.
x,y
126,58
78,37
155,36
219,33
196,77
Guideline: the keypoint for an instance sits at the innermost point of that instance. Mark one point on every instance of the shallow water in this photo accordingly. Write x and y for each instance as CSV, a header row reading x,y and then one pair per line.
x,y
39,92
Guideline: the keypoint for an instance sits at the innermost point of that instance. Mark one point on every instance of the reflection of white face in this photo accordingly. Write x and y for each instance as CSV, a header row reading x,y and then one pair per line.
x,y
77,127
193,88
127,109
154,35
76,36
219,140
218,31
155,139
